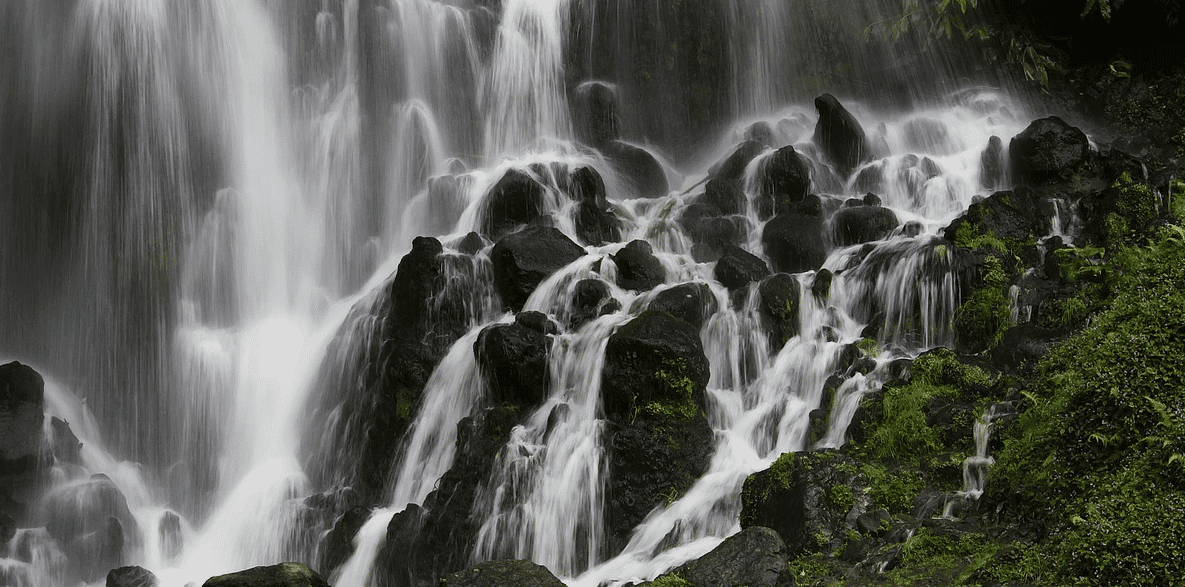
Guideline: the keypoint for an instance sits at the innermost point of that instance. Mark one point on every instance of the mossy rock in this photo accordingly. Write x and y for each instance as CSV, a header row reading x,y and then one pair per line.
x,y
505,573
281,575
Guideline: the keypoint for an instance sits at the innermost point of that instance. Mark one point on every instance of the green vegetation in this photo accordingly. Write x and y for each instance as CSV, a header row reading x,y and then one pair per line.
x,y
893,490
671,580
1097,457
673,375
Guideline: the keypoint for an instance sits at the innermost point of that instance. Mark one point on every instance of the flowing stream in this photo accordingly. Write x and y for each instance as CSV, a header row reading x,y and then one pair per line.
x,y
202,204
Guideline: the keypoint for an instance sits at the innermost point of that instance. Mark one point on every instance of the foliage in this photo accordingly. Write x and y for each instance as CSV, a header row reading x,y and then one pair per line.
x,y
1099,452
892,490
670,580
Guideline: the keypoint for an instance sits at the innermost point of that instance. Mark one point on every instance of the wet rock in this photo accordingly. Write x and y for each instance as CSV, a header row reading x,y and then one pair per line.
x,y
809,499
22,402
170,537
840,135
513,360
912,228
873,523
7,530
591,300
691,302
732,168
637,267
92,522
1010,215
596,114
379,361
726,196
596,222
761,132
643,173
426,543
737,268
929,135
785,179
505,573
281,575
991,164
524,259
64,444
871,199
710,231
338,545
537,321
755,556
471,244
131,577
794,243
821,285
852,226
659,442
1048,150
1022,347
515,201
779,308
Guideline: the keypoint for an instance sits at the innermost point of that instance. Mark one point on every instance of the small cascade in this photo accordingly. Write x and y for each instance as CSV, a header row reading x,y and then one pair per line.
x,y
975,467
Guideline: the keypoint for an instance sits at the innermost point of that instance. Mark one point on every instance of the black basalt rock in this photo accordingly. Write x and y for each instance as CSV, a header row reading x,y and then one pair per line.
x,y
131,577
840,135
794,242
738,268
516,200
92,522
596,114
755,556
779,308
725,195
637,267
861,224
513,360
785,180
524,259
504,573
591,299
690,302
644,175
596,222
991,164
732,168
281,575
1049,150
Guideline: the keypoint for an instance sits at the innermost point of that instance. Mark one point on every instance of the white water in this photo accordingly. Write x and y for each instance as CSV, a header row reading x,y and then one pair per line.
x,y
305,225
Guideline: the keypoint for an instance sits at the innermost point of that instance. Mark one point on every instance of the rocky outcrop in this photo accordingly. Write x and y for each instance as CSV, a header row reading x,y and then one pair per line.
x,y
131,577
755,556
591,299
794,242
637,267
659,442
514,361
861,224
643,174
515,201
737,268
595,112
281,575
779,308
991,164
595,219
785,179
22,403
691,302
1048,150
92,522
524,259
508,573
840,135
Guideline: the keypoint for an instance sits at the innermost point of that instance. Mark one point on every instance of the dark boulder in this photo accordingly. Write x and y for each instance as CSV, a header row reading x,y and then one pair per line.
x,y
22,404
131,577
64,444
732,168
505,573
637,267
537,321
595,220
1022,347
426,543
755,556
470,244
929,135
779,308
727,196
591,299
821,284
991,164
281,575
840,135
595,113
1049,150
1008,216
513,360
796,498
794,243
785,179
738,268
690,302
659,442
643,174
92,522
338,544
861,224
711,231
516,200
170,539
760,131
524,259
377,366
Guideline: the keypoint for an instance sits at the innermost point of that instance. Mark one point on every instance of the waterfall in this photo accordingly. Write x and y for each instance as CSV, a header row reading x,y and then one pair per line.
x,y
207,212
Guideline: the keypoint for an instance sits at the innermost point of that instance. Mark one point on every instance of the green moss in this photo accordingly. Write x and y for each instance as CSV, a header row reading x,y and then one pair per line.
x,y
1096,457
671,580
969,236
842,498
940,251
892,490
673,376
403,403
781,472
931,559
869,347
1177,197
984,316
1136,201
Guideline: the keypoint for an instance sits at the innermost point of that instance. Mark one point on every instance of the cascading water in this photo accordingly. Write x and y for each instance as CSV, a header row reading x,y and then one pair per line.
x,y
240,200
